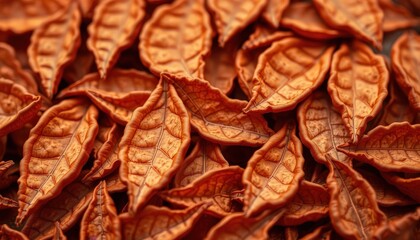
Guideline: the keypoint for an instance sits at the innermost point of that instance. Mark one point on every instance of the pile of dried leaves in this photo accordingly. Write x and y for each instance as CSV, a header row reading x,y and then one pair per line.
x,y
217,119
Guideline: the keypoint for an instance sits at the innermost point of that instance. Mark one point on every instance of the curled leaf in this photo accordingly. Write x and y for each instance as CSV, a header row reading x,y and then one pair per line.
x,y
264,36
404,227
58,233
407,185
274,11
53,156
7,173
245,63
396,16
7,233
7,203
357,85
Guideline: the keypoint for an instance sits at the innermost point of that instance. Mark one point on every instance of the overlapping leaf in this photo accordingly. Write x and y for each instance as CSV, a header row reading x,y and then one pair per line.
x,y
396,16
218,118
58,233
357,85
7,233
54,45
264,36
407,185
288,72
176,39
404,227
7,203
114,26
245,63
57,148
7,170
154,143
273,12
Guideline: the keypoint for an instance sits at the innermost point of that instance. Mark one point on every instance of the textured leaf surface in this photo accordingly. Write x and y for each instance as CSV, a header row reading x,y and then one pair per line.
x,y
321,128
218,118
407,185
404,227
17,106
53,45
205,157
353,211
273,174
245,63
264,36
357,85
233,16
392,148
216,186
58,233
100,219
161,223
154,144
405,58
7,173
363,18
7,203
396,17
114,26
274,10
57,148
7,233
288,72
176,39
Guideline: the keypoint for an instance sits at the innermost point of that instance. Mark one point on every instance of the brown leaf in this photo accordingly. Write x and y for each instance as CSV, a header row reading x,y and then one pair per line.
x,y
218,118
176,39
245,63
405,56
161,223
322,232
154,144
412,5
53,156
7,203
7,233
3,142
407,185
205,157
58,233
362,18
404,227
353,210
17,106
234,15
392,148
357,85
264,36
7,173
217,186
274,11
288,72
273,174
53,46
100,219
321,128
396,16
114,26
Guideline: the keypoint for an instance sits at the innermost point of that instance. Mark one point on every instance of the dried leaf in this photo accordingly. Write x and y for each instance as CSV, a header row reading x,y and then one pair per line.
x,y
404,227
114,26
322,232
217,117
392,148
396,16
161,223
357,85
264,36
321,128
273,174
217,186
53,156
17,106
7,203
3,142
205,157
100,219
234,15
53,46
274,11
245,63
7,173
288,72
7,233
362,18
412,5
154,144
353,211
58,233
405,56
176,39
407,185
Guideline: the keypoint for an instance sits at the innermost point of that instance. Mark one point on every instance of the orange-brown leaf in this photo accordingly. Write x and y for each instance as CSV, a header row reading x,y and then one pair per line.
x,y
17,106
322,232
161,223
273,174
396,16
7,203
53,156
288,72
114,26
218,118
405,58
58,233
154,144
407,185
53,45
245,63
217,186
7,172
357,85
392,148
404,227
7,233
274,11
362,18
264,36
205,157
176,38
353,210
100,219
321,128
234,15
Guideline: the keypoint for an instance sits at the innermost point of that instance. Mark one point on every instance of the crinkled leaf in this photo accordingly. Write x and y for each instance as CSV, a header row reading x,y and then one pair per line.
x,y
58,233
154,144
288,72
217,186
245,63
357,85
53,156
7,233
407,185
274,11
53,45
114,26
264,36
176,39
7,203
404,227
7,173
396,16
321,232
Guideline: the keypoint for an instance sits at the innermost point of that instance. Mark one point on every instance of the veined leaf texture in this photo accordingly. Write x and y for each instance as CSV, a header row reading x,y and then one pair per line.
x,y
209,119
